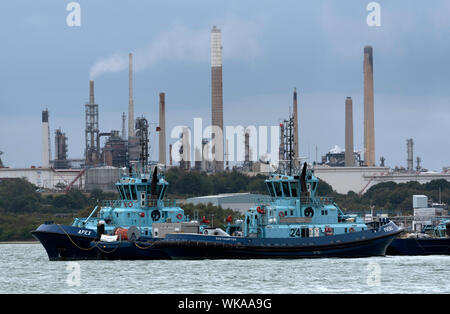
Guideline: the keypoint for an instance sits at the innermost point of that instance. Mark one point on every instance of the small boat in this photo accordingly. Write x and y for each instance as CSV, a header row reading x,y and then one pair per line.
x,y
434,240
294,222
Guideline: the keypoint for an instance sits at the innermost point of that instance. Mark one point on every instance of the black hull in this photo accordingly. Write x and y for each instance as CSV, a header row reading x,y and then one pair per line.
x,y
210,247
71,243
415,246
64,243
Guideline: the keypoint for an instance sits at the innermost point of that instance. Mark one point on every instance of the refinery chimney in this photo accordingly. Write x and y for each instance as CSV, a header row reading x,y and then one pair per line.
x,y
124,128
130,97
162,129
369,125
410,154
92,145
217,99
45,140
349,157
296,148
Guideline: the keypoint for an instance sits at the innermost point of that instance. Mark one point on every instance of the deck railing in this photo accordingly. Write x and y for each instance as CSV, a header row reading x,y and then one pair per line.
x,y
149,203
317,201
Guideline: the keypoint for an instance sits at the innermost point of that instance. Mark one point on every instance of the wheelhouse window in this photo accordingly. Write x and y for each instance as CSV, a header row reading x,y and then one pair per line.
x,y
127,192
294,189
286,189
133,192
270,188
122,195
278,189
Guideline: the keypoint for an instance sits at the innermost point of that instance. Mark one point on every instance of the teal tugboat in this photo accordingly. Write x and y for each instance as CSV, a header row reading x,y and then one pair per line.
x,y
119,229
126,228
292,223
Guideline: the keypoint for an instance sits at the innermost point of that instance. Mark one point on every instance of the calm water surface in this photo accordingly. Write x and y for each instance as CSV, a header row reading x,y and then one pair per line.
x,y
25,268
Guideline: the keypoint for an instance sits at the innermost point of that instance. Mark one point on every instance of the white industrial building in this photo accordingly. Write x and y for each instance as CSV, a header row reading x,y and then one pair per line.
x,y
46,178
360,179
424,214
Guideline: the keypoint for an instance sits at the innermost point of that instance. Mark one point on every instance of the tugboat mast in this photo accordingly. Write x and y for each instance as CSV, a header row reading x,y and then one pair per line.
x,y
288,154
142,134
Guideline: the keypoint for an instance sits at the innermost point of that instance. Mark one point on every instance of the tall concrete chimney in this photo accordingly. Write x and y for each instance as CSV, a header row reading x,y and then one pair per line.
x,y
130,97
162,129
45,140
295,111
349,158
217,98
369,125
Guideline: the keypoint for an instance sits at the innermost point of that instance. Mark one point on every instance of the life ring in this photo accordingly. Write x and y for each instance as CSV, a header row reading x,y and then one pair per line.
x,y
130,204
351,230
260,210
281,214
328,231
179,216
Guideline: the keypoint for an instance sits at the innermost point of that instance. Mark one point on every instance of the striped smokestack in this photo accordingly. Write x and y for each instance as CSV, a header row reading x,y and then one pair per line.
x,y
369,124
349,159
217,98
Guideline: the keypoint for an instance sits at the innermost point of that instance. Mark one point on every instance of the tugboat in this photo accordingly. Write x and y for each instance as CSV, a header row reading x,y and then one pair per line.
x,y
428,233
434,240
123,228
293,223
126,228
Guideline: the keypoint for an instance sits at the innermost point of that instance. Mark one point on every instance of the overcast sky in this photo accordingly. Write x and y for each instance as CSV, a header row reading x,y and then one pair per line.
x,y
269,48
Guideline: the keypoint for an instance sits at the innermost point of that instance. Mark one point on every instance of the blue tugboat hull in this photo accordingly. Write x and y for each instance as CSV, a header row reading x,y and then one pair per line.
x,y
356,244
73,243
415,246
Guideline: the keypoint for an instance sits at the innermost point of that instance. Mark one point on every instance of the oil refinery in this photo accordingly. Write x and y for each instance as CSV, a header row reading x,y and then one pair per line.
x,y
106,152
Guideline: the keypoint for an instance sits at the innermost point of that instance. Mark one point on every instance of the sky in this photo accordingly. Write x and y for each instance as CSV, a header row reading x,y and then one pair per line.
x,y
269,47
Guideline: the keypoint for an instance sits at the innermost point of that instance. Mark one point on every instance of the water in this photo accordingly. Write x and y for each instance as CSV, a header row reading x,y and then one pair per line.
x,y
25,268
